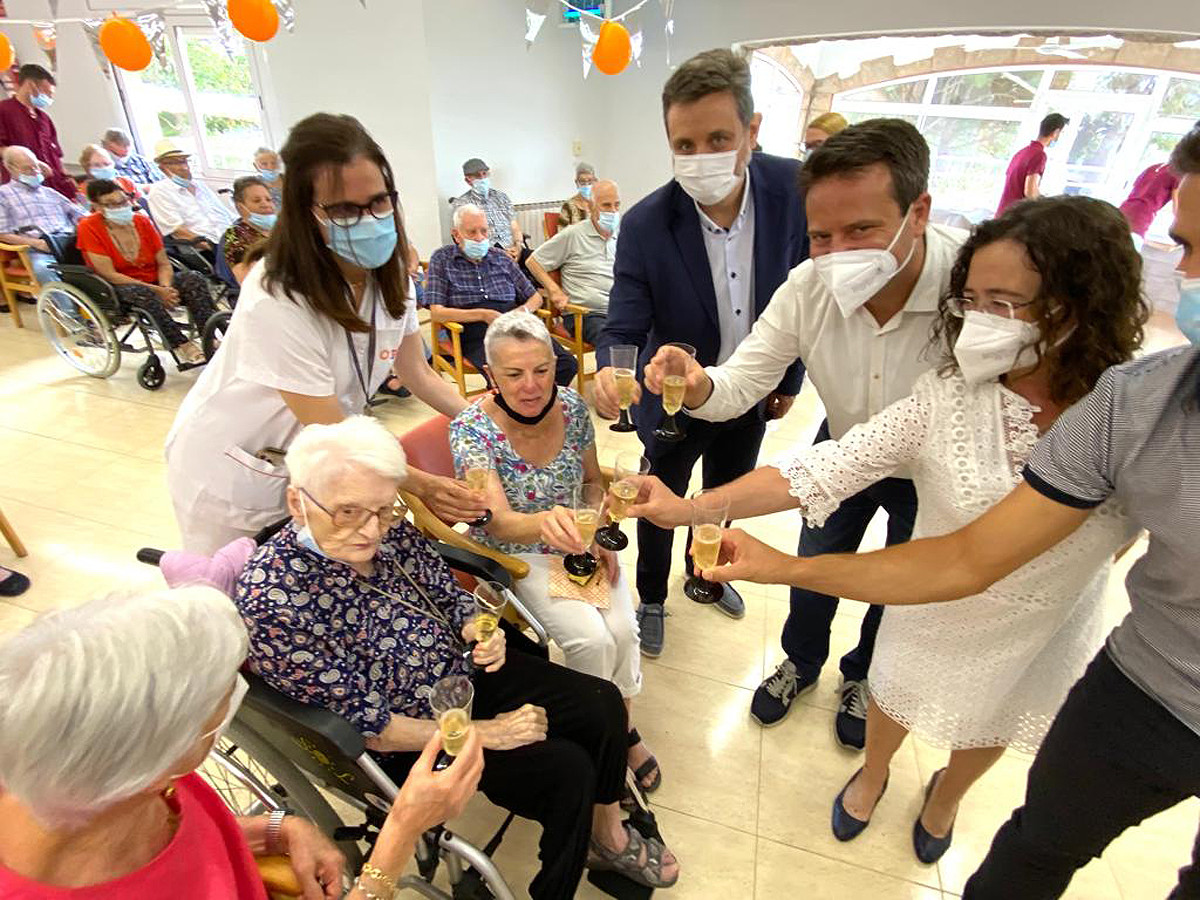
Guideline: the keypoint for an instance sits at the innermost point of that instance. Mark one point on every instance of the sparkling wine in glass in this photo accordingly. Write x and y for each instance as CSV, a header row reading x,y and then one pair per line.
x,y
450,699
624,363
477,468
709,512
674,385
621,493
490,600
588,502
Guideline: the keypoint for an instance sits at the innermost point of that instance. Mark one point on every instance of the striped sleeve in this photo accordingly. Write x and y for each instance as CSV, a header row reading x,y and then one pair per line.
x,y
1072,464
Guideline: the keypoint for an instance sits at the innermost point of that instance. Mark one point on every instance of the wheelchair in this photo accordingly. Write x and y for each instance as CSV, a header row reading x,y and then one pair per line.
x,y
80,314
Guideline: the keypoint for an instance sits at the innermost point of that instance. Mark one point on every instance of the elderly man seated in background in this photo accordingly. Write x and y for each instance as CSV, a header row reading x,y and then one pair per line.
x,y
128,162
269,168
583,256
501,218
472,282
183,208
28,206
351,609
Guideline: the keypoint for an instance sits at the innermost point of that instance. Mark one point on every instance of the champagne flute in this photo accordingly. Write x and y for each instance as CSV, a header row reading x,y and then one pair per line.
x,y
624,363
709,512
477,467
450,699
490,600
674,385
621,493
588,501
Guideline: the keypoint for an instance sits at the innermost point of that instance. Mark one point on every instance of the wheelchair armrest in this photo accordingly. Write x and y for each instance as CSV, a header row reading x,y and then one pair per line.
x,y
264,699
438,531
473,563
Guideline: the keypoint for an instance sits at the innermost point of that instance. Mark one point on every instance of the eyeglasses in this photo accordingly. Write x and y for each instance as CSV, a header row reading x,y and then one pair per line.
x,y
959,306
351,518
347,214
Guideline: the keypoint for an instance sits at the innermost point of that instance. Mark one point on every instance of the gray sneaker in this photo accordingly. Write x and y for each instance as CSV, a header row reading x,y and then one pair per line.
x,y
731,603
650,622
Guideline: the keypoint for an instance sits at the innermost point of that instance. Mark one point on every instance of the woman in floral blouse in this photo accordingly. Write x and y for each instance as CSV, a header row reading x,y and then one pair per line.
x,y
352,610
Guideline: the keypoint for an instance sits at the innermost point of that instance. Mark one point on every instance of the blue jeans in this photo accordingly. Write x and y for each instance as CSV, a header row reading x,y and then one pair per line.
x,y
40,263
806,633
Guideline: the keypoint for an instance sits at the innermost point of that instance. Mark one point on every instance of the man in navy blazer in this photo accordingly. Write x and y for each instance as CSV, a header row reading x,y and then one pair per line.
x,y
697,262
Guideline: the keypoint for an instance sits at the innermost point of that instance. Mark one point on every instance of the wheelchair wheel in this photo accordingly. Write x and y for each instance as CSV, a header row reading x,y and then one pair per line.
x,y
214,333
288,785
78,330
151,375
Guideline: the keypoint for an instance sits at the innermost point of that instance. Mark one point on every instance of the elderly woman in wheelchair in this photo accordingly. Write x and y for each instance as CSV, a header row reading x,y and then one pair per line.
x,y
106,711
351,609
124,248
539,446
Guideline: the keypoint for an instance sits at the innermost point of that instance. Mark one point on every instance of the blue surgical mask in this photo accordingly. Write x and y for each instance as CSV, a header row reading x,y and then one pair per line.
x,y
585,191
369,242
181,181
609,221
268,174
1187,314
482,186
304,535
475,250
108,172
42,101
262,221
122,214
32,180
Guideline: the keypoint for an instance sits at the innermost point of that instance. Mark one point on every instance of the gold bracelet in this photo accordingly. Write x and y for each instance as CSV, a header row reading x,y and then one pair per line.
x,y
369,894
377,874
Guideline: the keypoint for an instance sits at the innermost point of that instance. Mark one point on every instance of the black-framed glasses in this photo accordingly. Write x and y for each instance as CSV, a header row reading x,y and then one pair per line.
x,y
354,517
960,306
347,214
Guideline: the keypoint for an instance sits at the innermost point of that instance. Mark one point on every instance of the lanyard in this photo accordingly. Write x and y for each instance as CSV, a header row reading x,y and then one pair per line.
x,y
363,382
428,609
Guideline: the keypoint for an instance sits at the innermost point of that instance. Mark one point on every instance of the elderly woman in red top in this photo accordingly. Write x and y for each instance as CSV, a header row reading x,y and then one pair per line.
x,y
126,250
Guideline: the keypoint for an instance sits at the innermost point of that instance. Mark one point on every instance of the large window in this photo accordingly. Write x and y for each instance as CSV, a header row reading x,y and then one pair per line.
x,y
206,102
1122,120
780,100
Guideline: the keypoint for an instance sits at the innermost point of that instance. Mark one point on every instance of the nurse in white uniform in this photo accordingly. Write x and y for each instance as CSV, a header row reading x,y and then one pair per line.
x,y
320,323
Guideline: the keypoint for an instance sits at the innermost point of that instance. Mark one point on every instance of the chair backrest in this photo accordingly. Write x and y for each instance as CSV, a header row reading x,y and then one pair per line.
x,y
550,224
428,446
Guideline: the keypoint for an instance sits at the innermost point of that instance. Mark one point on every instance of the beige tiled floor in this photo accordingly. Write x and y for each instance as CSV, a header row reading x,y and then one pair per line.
x,y
746,809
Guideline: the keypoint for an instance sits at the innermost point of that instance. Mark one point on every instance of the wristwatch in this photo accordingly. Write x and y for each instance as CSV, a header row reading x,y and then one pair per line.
x,y
274,842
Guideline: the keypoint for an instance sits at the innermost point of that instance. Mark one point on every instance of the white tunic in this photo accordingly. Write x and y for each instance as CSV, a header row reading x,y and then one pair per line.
x,y
219,486
992,669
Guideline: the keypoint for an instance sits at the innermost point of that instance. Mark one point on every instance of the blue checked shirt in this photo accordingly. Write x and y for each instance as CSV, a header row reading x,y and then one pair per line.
x,y
500,213
494,282
138,169
44,208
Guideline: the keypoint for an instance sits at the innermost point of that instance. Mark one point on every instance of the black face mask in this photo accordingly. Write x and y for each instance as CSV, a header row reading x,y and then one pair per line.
x,y
526,420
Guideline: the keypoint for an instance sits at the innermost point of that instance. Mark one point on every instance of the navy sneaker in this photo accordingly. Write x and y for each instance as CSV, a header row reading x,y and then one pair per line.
x,y
774,696
731,603
650,622
850,724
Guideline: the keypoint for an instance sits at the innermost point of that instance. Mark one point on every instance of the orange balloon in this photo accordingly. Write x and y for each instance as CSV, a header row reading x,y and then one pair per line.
x,y
613,50
255,19
125,45
6,51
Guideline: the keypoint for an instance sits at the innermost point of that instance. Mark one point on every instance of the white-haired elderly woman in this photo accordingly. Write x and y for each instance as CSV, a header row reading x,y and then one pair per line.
x,y
541,447
351,609
269,167
106,710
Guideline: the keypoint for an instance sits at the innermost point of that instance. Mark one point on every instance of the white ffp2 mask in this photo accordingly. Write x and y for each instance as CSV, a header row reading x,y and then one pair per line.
x,y
989,346
707,178
855,276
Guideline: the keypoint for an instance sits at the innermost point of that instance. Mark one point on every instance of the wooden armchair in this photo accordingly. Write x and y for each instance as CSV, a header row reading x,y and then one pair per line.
x,y
16,277
570,339
445,347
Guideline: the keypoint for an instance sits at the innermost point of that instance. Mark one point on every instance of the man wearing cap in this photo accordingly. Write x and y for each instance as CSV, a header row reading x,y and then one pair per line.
x,y
502,220
183,208
24,122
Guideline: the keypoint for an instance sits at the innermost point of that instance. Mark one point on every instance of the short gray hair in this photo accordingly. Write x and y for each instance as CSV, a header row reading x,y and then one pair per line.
x,y
518,324
261,150
98,702
12,151
711,72
322,453
585,169
466,209
117,136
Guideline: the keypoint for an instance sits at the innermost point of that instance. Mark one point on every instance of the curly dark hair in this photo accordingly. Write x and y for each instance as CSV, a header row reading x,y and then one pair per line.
x,y
1091,286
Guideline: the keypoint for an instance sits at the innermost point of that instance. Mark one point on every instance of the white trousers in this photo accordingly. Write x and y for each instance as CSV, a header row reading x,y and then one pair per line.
x,y
600,642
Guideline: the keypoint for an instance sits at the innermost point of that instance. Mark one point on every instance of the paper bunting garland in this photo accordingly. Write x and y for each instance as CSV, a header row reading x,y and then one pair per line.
x,y
668,8
590,23
287,14
46,35
155,28
588,36
533,24
218,13
91,27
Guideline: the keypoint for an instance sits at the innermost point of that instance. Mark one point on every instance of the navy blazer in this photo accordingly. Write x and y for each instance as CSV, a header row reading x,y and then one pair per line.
x,y
662,285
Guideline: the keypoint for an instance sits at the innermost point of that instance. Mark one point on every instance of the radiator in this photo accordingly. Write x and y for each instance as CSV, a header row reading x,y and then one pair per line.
x,y
531,218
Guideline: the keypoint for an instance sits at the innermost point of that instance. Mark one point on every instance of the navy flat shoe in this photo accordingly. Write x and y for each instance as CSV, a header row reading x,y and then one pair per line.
x,y
930,849
845,826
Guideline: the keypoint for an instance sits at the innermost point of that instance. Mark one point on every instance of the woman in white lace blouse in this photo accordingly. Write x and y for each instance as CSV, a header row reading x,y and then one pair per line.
x,y
1042,300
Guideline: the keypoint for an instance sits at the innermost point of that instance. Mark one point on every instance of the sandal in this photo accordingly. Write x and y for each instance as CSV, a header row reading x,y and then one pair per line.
x,y
650,765
625,862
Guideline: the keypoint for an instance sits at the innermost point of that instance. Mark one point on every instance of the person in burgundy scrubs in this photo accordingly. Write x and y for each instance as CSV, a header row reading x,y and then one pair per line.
x,y
25,122
1023,179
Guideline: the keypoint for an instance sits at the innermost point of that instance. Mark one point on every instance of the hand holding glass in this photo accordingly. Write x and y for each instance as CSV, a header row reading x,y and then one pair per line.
x,y
477,467
589,500
450,699
621,493
675,369
709,512
490,600
624,364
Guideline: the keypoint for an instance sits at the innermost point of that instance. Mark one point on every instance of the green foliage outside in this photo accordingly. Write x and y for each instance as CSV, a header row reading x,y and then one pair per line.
x,y
1182,98
174,124
212,71
227,124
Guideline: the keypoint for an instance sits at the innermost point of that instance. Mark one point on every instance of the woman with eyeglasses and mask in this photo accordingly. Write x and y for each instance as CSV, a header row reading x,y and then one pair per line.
x,y
106,712
320,324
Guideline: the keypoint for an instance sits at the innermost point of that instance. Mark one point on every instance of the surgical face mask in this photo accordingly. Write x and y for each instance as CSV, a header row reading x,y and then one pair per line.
x,y
475,250
262,221
107,172
707,178
181,181
122,215
268,174
585,191
33,181
369,242
42,101
989,346
482,186
304,535
1187,314
855,276
609,221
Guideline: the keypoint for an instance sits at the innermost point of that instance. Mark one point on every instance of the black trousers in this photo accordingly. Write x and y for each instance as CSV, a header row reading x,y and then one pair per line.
x,y
565,365
1113,757
728,450
556,782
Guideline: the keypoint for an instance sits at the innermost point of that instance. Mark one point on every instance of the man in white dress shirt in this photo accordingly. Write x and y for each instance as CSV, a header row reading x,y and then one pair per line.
x,y
183,208
858,314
